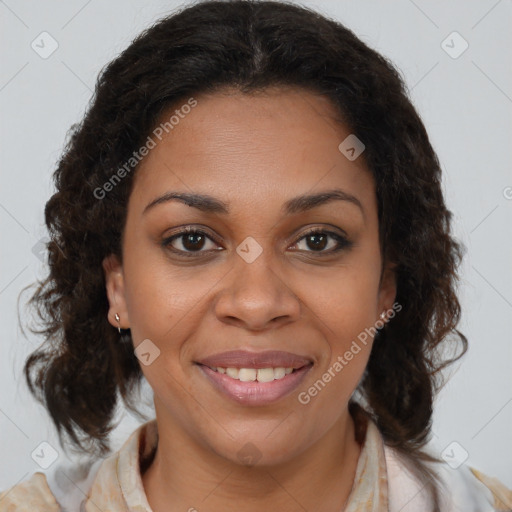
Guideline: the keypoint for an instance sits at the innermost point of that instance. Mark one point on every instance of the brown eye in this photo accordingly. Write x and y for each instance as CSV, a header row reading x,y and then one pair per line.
x,y
189,241
193,241
317,241
321,241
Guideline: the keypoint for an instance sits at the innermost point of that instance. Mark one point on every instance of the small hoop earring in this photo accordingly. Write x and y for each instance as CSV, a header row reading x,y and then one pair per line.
x,y
118,319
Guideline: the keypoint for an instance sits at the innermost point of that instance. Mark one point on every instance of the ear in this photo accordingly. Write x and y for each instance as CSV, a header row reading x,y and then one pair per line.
x,y
114,281
387,289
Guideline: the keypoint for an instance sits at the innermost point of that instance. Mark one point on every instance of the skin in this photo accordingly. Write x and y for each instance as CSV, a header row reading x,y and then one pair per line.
x,y
254,152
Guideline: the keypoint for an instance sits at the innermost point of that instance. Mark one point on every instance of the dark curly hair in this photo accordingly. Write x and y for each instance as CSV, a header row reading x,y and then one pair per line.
x,y
249,45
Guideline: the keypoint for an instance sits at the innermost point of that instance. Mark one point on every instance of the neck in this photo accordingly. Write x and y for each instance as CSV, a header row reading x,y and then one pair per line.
x,y
190,477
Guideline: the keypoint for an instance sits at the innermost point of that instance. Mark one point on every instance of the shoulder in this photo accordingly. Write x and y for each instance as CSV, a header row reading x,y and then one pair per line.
x,y
33,494
72,484
502,495
61,489
463,488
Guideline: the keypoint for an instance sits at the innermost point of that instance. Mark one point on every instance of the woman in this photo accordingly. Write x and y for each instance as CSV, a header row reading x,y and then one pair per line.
x,y
250,217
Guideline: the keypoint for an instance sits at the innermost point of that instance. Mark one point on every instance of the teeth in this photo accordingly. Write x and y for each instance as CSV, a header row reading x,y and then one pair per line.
x,y
253,374
266,375
279,373
232,372
247,374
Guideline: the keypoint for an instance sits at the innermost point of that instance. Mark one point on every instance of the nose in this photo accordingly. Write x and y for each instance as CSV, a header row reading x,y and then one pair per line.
x,y
255,296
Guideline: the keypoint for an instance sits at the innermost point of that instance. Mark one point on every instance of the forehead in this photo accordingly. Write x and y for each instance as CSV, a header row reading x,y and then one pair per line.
x,y
253,148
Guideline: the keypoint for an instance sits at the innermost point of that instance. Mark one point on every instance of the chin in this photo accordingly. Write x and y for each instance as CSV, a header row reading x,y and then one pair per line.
x,y
258,450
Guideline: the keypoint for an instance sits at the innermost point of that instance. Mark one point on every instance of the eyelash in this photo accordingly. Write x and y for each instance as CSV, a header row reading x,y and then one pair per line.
x,y
343,243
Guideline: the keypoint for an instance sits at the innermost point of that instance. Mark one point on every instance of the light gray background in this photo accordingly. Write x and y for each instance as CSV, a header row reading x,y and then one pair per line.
x,y
465,103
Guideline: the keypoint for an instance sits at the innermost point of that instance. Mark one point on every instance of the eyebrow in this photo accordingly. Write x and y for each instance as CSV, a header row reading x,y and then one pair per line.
x,y
302,203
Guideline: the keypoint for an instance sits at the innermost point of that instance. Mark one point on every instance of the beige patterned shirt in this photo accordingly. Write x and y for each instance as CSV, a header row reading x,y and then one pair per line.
x,y
382,483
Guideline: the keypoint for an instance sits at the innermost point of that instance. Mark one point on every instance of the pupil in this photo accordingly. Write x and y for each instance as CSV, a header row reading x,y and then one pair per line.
x,y
320,245
193,238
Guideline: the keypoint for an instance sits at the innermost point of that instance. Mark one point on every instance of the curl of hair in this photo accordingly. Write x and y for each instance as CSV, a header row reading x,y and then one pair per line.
x,y
248,46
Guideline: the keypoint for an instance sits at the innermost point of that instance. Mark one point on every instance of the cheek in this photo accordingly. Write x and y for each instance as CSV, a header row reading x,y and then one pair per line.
x,y
345,304
351,314
327,395
167,320
349,343
345,299
161,300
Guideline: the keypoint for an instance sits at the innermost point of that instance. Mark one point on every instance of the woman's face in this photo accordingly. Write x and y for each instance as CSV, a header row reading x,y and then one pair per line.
x,y
253,280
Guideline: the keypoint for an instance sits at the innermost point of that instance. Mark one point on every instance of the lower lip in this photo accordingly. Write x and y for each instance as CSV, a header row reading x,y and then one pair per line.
x,y
255,393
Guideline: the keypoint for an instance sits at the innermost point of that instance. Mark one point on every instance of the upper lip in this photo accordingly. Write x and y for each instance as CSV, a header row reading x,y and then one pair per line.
x,y
246,359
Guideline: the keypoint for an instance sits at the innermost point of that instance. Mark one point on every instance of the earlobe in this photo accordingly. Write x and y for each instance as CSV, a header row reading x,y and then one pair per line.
x,y
114,284
387,291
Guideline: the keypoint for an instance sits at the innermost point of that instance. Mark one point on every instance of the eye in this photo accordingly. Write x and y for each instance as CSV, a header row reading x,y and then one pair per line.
x,y
190,241
317,240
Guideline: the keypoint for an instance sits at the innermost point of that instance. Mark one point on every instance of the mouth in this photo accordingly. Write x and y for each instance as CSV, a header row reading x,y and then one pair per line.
x,y
251,378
